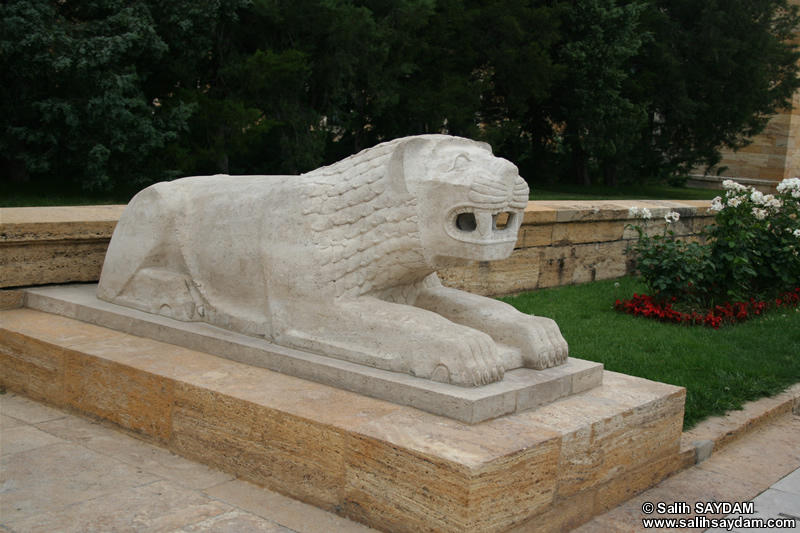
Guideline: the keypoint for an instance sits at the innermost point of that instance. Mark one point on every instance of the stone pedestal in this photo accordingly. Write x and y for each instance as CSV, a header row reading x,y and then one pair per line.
x,y
393,467
521,389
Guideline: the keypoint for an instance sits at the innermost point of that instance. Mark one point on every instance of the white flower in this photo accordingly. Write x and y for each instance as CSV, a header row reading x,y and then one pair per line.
x,y
716,204
797,233
731,185
757,197
759,213
646,213
735,201
790,184
672,216
633,211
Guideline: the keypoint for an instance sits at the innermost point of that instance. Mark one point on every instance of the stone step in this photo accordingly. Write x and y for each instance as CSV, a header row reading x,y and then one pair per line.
x,y
390,466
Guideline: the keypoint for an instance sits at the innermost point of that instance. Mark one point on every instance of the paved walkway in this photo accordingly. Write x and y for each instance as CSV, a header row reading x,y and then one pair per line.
x,y
63,473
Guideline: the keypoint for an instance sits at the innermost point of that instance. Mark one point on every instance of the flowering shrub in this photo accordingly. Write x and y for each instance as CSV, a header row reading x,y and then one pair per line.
x,y
752,252
755,245
671,267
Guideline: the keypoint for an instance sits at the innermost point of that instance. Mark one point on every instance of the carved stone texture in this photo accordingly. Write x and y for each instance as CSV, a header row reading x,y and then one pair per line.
x,y
342,261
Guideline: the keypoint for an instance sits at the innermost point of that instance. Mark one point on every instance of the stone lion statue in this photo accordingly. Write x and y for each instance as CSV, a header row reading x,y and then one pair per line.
x,y
342,261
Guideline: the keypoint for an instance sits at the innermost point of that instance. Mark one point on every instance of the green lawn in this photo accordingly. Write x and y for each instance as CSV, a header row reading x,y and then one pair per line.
x,y
721,369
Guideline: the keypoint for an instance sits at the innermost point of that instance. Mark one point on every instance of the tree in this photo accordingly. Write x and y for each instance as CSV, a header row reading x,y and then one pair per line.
x,y
88,86
711,76
294,84
587,115
475,69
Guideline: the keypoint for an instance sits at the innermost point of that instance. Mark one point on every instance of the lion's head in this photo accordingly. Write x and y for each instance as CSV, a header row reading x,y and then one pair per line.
x,y
470,203
392,214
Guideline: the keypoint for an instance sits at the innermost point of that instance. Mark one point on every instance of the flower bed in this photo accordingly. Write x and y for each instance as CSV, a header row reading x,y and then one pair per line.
x,y
729,313
749,259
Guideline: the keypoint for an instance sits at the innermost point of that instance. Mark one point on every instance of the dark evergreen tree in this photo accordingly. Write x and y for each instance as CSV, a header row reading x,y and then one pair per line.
x,y
711,75
87,90
587,120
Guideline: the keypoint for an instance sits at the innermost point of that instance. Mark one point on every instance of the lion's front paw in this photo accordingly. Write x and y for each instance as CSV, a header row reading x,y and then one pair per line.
x,y
545,346
469,360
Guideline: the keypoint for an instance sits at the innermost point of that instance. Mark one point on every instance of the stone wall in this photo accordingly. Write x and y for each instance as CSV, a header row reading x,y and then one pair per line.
x,y
560,243
570,242
44,245
774,155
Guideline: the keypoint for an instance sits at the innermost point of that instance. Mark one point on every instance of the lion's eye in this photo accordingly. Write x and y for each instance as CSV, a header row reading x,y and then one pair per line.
x,y
461,163
466,222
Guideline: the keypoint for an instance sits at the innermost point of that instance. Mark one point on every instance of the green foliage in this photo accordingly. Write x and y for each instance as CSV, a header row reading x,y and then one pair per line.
x,y
710,75
597,121
756,240
752,250
672,267
85,93
721,369
109,94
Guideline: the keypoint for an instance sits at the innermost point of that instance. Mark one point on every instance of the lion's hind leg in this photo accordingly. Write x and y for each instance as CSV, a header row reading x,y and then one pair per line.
x,y
162,292
144,267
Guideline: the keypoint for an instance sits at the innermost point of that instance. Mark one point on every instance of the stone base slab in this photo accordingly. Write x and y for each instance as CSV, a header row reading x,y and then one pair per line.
x,y
390,466
520,389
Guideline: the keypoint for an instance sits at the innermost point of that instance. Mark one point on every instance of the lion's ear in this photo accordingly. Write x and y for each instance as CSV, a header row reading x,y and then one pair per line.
x,y
405,154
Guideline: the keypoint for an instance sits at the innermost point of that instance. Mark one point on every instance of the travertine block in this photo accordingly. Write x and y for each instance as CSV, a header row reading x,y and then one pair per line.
x,y
51,262
556,266
538,213
135,400
604,260
479,478
31,366
32,351
265,446
389,466
595,231
623,488
562,516
535,235
11,298
21,224
40,245
605,437
518,273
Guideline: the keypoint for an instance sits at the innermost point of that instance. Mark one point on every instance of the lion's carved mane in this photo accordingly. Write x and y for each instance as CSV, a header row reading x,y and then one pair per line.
x,y
363,221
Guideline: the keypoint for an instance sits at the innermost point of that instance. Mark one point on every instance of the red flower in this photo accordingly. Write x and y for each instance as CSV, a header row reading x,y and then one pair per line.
x,y
649,307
